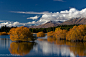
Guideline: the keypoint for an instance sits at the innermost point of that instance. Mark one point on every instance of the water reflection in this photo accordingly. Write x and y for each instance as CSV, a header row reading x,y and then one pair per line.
x,y
50,48
45,48
77,48
4,36
21,48
5,42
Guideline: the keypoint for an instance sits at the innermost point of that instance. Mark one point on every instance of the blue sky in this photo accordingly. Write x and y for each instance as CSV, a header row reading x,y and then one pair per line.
x,y
27,12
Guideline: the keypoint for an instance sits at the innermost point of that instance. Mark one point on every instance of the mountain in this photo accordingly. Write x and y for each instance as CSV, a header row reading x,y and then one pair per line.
x,y
48,24
56,23
74,21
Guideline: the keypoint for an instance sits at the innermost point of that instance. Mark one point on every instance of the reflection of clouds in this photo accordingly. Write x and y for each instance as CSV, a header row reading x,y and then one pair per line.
x,y
45,47
49,48
56,50
65,51
72,54
5,42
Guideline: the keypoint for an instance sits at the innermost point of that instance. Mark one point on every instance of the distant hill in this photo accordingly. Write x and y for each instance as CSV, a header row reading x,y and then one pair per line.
x,y
48,24
74,21
56,23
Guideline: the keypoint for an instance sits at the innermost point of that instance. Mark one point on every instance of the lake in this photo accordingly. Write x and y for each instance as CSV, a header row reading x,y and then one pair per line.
x,y
41,48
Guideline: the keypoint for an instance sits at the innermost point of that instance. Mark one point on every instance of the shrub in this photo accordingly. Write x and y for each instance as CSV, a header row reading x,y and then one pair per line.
x,y
51,33
21,34
40,34
3,33
77,33
60,34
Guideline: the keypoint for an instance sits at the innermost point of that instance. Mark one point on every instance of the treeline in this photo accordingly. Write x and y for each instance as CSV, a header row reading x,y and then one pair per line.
x,y
36,30
5,29
45,30
77,33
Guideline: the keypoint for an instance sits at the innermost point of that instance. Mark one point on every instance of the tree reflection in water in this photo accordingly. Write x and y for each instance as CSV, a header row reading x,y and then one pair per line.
x,y
21,48
78,48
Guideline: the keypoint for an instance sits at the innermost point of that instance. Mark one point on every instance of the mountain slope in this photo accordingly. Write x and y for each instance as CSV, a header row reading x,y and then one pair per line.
x,y
48,24
75,21
56,23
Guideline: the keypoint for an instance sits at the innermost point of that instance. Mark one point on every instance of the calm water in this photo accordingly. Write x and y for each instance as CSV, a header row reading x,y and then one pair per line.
x,y
41,48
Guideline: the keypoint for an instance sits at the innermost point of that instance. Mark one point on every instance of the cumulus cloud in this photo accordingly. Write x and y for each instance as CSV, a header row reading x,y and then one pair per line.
x,y
1,21
63,15
35,17
56,16
11,23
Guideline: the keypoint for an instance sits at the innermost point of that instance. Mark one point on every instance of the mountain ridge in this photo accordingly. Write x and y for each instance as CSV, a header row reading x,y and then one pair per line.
x,y
56,23
74,21
48,24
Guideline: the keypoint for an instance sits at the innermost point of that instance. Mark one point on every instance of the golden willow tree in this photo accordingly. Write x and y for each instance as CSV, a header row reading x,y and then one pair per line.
x,y
51,33
3,33
51,37
21,34
77,33
21,48
40,34
57,35
60,34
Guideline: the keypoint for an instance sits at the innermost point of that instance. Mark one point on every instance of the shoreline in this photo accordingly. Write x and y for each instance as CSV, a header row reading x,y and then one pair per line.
x,y
36,33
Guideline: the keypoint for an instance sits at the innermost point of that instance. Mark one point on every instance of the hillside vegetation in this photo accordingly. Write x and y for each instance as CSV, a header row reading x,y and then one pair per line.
x,y
36,30
77,33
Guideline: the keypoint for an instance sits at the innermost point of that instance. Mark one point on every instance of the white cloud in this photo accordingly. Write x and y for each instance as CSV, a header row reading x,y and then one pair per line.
x,y
30,12
63,15
56,16
35,17
11,23
1,21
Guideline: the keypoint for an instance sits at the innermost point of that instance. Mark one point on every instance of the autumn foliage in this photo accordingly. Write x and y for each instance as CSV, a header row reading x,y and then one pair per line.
x,y
21,34
51,33
58,34
40,34
20,48
3,33
77,33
